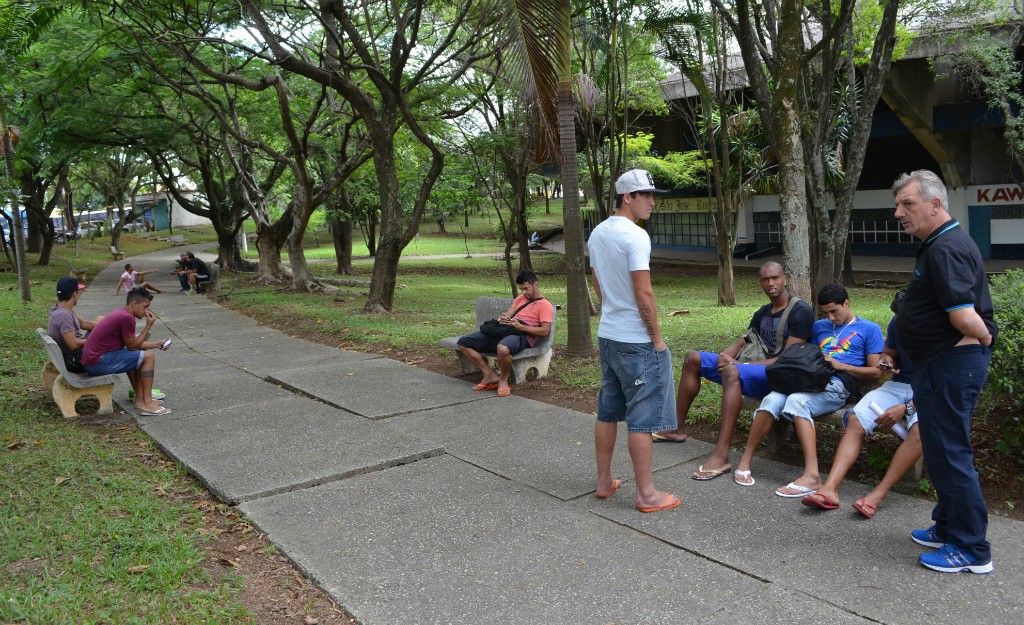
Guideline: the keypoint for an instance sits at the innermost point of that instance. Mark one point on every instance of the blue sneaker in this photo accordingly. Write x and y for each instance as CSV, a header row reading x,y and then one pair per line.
x,y
928,538
950,559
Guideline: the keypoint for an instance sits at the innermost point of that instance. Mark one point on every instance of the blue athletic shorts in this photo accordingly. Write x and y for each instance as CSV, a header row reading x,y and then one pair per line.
x,y
120,361
636,386
753,380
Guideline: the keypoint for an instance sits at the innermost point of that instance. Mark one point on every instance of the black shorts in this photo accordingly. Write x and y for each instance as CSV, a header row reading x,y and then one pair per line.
x,y
489,345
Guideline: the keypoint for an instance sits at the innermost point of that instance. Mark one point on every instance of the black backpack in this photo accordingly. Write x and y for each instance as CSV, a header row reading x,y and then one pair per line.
x,y
800,368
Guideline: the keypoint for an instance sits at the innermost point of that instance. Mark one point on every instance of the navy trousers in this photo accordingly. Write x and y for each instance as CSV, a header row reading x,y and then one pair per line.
x,y
945,391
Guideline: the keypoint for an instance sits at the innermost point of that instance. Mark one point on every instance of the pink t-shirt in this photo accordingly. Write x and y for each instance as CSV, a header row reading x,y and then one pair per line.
x,y
129,280
537,312
108,336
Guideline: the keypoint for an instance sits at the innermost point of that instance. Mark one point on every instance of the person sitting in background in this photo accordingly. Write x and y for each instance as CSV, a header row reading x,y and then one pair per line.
x,y
130,278
530,314
197,272
895,399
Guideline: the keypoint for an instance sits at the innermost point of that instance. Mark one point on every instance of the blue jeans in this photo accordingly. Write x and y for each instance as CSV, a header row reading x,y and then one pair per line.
x,y
637,386
806,405
117,361
945,391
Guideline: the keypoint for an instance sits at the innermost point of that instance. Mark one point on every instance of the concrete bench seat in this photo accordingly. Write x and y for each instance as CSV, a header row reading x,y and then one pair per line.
x,y
535,359
211,284
116,253
67,388
779,434
78,273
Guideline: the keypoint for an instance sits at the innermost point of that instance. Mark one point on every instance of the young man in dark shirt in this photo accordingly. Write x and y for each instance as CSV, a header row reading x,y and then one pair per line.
x,y
739,379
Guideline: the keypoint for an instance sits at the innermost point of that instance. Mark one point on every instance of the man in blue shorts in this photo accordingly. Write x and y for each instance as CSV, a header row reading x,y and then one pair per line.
x,y
852,346
636,366
946,325
739,379
114,347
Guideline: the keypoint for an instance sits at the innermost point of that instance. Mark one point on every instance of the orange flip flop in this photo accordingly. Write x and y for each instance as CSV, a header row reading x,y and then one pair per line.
x,y
615,486
671,501
504,391
485,387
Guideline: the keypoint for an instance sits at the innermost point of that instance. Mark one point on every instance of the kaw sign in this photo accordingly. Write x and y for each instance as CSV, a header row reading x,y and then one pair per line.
x,y
991,195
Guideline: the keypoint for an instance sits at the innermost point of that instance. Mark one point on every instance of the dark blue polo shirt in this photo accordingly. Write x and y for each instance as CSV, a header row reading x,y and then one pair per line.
x,y
949,274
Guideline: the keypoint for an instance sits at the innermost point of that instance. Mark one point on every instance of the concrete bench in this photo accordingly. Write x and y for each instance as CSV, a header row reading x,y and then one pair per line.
x,y
67,388
779,434
77,273
116,253
211,284
177,239
536,358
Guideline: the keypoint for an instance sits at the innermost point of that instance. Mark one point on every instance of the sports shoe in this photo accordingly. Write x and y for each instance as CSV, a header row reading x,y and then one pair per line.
x,y
157,394
927,537
950,559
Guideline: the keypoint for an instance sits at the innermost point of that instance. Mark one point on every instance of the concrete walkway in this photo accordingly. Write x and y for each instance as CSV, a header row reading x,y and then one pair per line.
x,y
411,499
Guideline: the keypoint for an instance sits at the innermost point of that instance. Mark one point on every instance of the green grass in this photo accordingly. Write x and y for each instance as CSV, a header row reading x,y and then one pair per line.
x,y
94,524
438,295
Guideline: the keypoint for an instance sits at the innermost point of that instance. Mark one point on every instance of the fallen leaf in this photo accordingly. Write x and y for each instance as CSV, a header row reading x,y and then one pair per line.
x,y
60,480
309,620
241,548
135,570
227,562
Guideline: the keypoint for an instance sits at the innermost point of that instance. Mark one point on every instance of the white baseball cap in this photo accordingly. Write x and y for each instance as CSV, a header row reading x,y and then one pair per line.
x,y
636,181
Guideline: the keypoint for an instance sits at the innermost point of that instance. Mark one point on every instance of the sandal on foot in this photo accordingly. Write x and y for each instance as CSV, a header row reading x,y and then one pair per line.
x,y
740,474
819,502
801,491
704,475
486,387
862,506
504,391
615,486
671,501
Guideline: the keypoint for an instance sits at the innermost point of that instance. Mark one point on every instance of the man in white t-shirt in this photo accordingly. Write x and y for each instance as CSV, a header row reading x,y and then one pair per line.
x,y
636,366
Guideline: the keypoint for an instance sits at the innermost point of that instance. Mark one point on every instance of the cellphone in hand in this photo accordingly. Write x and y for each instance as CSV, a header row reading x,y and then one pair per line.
x,y
166,344
885,365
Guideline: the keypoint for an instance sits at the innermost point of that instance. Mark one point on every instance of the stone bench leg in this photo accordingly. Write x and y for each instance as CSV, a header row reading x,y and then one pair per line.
x,y
65,396
521,368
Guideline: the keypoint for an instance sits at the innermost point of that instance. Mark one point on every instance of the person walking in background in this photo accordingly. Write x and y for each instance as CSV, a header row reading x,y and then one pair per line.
x,y
636,366
947,328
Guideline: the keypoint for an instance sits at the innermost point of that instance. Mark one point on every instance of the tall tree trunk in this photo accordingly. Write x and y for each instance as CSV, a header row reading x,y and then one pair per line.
x,y
24,290
389,246
341,235
579,341
789,152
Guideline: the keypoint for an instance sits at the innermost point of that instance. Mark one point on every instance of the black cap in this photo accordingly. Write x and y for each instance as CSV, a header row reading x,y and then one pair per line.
x,y
67,286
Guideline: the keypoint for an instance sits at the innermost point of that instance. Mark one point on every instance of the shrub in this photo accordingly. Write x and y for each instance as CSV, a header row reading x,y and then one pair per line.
x,y
1006,374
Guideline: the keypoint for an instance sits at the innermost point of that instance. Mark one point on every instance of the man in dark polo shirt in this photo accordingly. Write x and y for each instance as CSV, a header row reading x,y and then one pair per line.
x,y
946,327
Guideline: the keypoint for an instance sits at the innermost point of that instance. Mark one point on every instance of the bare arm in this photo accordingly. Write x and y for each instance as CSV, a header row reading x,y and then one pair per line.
x,y
869,372
72,341
88,325
643,292
118,289
597,287
968,322
139,340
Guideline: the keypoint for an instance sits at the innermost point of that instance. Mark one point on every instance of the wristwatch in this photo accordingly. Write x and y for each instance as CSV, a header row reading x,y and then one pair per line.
x,y
911,411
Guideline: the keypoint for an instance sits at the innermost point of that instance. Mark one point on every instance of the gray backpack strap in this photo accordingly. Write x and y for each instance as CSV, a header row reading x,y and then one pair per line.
x,y
779,343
